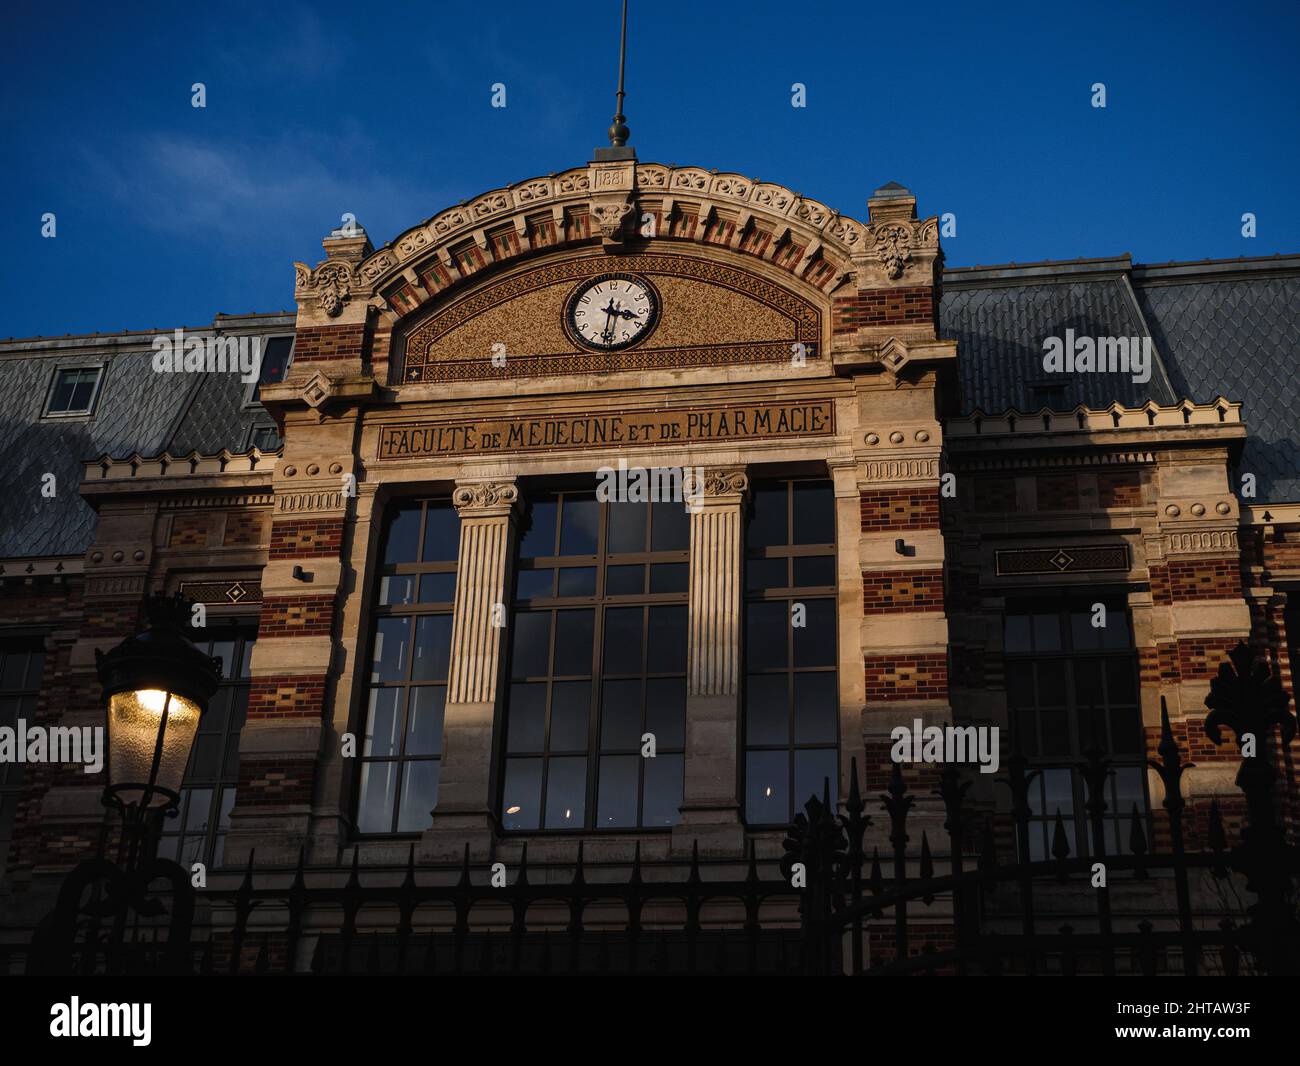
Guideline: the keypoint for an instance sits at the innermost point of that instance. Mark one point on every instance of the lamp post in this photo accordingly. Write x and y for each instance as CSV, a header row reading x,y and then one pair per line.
x,y
156,686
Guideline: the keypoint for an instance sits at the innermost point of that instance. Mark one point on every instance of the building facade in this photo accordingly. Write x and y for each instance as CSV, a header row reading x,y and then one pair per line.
x,y
850,495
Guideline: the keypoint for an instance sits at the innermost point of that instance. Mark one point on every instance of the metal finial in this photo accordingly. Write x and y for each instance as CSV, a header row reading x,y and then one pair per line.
x,y
618,132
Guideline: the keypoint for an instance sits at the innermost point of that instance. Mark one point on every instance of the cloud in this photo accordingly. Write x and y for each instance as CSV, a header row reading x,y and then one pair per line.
x,y
246,191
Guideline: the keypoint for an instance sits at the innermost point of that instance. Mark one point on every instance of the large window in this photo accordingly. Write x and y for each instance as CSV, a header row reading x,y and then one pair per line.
x,y
598,660
1072,686
791,716
21,663
198,832
401,752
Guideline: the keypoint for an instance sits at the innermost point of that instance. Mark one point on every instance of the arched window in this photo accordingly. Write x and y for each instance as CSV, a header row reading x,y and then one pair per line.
x,y
597,662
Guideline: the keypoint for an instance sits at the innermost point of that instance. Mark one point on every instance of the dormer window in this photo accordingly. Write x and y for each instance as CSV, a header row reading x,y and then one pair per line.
x,y
75,390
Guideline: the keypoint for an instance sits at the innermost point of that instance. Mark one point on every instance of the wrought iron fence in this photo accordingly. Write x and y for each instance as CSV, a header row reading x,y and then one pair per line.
x,y
831,907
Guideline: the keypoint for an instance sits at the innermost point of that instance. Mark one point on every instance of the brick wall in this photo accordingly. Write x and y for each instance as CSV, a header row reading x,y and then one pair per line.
x,y
286,696
886,591
907,676
295,538
889,509
1196,579
906,305
296,616
316,343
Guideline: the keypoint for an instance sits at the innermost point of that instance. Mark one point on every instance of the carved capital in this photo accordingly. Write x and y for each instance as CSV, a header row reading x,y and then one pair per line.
x,y
718,484
484,499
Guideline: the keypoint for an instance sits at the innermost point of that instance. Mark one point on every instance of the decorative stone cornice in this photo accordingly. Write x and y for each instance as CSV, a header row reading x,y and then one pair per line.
x,y
252,464
500,225
1116,417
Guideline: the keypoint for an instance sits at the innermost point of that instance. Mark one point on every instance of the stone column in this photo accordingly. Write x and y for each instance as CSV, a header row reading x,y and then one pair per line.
x,y
466,789
710,801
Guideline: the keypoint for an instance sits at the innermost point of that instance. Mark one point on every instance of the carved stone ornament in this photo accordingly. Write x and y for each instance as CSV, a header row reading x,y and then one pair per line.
x,y
481,495
892,245
610,219
715,483
330,284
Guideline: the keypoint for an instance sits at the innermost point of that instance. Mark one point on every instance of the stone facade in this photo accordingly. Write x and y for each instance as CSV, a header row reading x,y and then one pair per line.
x,y
792,339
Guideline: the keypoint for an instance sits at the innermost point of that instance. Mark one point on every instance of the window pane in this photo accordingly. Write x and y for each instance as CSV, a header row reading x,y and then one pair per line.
x,y
1055,732
624,580
1116,633
616,802
396,590
663,791
767,787
814,512
419,794
441,533
532,644
1016,633
1020,684
539,538
378,791
1125,731
579,522
198,809
623,640
815,708
767,709
767,635
570,715
669,577
527,717
666,640
205,763
1121,685
521,806
1051,684
383,722
767,573
62,395
768,516
812,769
1087,682
424,728
814,642
535,583
388,663
566,793
1082,633
437,588
402,545
620,715
573,640
432,647
814,570
671,527
626,528
275,360
578,581
1047,632
666,710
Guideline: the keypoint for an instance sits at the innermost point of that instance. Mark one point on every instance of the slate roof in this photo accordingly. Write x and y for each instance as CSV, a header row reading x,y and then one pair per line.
x,y
137,410
1229,328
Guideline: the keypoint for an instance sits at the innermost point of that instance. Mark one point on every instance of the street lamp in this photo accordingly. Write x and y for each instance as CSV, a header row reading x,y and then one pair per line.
x,y
157,685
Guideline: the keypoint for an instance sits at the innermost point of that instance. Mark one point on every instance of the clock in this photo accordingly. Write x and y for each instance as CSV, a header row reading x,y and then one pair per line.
x,y
611,312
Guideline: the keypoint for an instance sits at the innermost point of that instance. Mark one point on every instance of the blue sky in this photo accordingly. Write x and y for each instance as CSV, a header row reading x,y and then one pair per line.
x,y
167,214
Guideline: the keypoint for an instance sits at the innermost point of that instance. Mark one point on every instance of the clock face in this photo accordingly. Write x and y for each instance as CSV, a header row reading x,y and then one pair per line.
x,y
612,312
